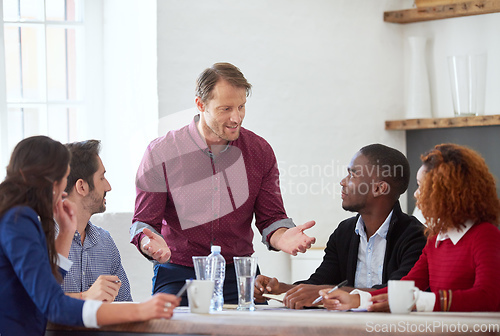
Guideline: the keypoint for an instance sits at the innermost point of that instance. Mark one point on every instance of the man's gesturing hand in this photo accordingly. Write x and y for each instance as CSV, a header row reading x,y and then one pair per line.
x,y
293,240
154,245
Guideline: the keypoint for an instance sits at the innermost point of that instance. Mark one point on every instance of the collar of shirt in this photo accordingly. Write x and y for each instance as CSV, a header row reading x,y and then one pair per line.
x,y
382,230
198,139
91,236
454,234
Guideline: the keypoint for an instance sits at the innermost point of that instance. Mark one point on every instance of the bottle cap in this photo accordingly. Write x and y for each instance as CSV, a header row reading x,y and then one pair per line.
x,y
215,248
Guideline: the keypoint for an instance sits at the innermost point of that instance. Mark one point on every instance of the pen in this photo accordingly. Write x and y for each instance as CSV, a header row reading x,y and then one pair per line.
x,y
343,283
184,288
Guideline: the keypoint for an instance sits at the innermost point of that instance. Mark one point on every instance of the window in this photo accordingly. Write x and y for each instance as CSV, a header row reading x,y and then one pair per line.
x,y
44,42
76,77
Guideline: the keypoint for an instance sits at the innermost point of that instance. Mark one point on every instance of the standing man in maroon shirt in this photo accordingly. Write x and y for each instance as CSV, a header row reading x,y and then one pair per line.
x,y
201,185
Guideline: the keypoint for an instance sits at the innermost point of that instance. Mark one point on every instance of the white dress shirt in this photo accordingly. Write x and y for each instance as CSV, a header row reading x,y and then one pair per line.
x,y
371,254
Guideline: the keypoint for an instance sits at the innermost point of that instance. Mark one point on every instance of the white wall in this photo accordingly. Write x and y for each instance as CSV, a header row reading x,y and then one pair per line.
x,y
130,115
326,76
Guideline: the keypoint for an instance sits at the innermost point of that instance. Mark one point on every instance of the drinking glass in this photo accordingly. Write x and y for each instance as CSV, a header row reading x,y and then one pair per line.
x,y
246,269
468,84
201,268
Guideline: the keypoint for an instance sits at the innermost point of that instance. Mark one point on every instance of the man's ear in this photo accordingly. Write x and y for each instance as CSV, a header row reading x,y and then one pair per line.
x,y
200,105
82,187
381,188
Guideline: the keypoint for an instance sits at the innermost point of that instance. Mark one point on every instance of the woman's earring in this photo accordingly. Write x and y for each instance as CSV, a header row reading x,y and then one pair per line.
x,y
53,192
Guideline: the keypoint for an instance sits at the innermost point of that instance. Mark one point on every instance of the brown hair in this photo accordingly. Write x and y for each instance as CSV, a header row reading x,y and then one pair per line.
x,y
83,163
457,187
208,78
35,164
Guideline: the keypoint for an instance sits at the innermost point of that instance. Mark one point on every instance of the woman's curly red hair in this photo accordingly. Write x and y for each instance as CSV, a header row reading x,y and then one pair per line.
x,y
456,187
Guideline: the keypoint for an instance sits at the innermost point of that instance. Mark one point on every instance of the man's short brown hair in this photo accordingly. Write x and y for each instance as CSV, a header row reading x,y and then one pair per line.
x,y
208,78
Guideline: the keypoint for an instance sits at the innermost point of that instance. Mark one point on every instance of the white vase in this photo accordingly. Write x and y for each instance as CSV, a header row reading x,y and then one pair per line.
x,y
418,98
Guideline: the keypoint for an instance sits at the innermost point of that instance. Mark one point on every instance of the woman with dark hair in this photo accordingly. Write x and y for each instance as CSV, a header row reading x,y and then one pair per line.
x,y
31,258
460,263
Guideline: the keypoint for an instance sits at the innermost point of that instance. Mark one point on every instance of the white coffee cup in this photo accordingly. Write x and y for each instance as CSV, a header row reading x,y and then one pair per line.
x,y
402,296
200,296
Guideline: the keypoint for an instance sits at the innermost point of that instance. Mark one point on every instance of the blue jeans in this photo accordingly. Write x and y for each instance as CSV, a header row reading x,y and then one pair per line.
x,y
169,278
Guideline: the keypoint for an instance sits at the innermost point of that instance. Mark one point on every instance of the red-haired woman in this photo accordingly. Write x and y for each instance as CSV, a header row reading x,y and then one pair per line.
x,y
31,196
460,263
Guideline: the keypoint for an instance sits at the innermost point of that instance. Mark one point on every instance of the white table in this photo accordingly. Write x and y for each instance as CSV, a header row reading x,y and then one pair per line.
x,y
286,322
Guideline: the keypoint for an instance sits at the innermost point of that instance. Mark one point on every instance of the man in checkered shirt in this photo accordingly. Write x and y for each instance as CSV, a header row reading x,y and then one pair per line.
x,y
97,272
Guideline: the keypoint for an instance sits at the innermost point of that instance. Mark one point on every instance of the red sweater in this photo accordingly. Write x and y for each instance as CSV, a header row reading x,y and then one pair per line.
x,y
471,269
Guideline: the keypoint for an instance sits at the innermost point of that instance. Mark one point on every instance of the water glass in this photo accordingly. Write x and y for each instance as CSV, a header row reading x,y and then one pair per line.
x,y
201,268
246,269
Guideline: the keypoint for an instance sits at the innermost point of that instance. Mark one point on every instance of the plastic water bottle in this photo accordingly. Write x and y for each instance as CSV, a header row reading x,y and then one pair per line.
x,y
217,265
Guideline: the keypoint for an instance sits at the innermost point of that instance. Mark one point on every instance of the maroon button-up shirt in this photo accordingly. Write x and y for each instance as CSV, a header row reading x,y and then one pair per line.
x,y
195,199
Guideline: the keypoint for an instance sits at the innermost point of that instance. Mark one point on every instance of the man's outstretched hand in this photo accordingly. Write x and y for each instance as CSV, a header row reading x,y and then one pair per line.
x,y
293,240
154,246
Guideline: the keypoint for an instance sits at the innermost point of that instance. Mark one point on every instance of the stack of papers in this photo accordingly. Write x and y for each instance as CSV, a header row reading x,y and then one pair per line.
x,y
277,297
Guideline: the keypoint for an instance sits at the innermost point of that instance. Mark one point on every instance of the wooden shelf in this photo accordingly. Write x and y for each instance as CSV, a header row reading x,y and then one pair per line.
x,y
466,8
415,124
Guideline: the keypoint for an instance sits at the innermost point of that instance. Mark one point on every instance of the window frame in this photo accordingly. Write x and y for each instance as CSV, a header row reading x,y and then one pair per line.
x,y
44,103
